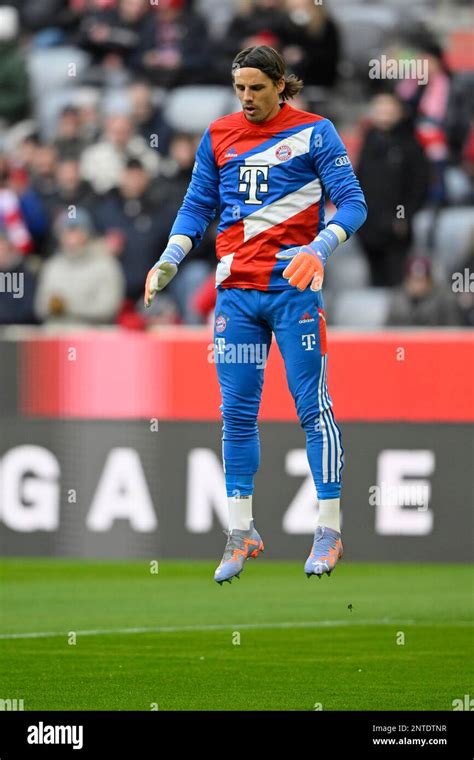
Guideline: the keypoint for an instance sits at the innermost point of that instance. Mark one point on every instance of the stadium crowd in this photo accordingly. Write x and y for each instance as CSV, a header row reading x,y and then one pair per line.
x,y
97,150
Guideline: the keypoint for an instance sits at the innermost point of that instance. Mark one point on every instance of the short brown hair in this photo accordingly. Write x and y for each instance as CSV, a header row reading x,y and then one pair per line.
x,y
268,60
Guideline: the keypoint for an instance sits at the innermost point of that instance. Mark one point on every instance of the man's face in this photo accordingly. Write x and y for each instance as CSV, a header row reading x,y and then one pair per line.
x,y
386,111
183,151
132,10
134,182
68,126
73,239
45,160
417,285
140,96
258,94
67,175
119,130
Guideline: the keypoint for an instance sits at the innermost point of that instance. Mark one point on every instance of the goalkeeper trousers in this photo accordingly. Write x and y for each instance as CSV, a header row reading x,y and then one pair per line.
x,y
244,322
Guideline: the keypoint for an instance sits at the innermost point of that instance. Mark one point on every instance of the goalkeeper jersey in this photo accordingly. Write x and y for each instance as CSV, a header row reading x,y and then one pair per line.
x,y
268,183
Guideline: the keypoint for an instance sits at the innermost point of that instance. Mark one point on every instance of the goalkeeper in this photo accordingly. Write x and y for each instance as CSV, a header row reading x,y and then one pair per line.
x,y
266,169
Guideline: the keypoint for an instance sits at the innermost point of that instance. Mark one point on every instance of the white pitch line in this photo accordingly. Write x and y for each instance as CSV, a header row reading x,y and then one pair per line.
x,y
224,627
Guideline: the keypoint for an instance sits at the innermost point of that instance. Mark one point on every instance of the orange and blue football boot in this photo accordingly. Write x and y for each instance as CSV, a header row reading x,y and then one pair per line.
x,y
241,545
326,551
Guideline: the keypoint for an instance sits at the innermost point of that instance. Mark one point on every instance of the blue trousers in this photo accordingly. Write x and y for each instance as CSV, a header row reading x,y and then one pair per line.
x,y
243,326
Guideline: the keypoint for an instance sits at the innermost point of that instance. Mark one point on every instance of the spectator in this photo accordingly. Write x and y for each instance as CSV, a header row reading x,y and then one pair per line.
x,y
87,102
32,207
81,284
14,95
44,170
116,36
70,191
393,173
439,115
68,141
11,215
25,150
174,184
258,22
102,164
134,226
18,285
52,20
421,303
176,50
147,118
311,44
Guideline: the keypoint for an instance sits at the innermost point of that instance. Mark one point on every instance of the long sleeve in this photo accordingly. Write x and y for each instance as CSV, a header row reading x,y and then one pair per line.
x,y
337,176
202,197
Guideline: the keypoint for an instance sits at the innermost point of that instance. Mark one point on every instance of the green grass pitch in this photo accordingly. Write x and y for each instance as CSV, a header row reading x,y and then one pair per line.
x,y
275,640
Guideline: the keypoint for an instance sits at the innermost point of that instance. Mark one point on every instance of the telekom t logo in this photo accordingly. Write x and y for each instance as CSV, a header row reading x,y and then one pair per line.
x,y
309,341
220,345
253,179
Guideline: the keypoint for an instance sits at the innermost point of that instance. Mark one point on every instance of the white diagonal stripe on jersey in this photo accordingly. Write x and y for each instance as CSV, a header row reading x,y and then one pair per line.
x,y
298,143
282,209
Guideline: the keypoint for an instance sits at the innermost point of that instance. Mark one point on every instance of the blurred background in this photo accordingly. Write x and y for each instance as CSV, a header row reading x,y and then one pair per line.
x,y
103,103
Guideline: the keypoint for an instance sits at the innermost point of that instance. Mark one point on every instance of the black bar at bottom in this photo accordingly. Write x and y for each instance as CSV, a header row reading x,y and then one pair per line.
x,y
142,734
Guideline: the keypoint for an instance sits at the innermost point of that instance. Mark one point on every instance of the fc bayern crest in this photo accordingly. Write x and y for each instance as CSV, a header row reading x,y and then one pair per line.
x,y
221,323
283,152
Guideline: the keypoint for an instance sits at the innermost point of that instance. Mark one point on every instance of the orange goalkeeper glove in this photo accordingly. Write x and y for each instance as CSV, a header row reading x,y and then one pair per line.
x,y
308,261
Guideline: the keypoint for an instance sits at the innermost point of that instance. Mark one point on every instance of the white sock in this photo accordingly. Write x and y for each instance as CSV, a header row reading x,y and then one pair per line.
x,y
330,513
240,512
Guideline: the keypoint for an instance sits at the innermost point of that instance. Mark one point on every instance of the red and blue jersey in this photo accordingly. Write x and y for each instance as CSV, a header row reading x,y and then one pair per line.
x,y
268,182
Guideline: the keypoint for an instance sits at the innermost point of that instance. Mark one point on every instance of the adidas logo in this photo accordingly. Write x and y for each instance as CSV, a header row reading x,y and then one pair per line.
x,y
306,318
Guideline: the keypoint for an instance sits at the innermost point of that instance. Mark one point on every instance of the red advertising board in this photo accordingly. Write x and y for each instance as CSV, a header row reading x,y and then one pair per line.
x,y
381,376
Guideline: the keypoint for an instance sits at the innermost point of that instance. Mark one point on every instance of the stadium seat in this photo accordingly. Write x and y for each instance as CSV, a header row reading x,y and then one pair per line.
x,y
217,14
365,32
57,61
191,109
451,235
52,92
366,308
347,268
